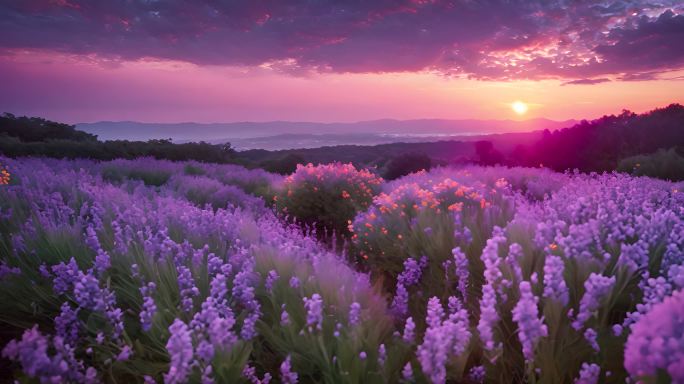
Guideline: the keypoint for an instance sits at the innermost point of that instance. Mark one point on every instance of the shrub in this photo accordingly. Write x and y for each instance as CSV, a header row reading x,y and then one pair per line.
x,y
285,165
203,190
408,163
663,164
149,172
327,196
435,224
194,170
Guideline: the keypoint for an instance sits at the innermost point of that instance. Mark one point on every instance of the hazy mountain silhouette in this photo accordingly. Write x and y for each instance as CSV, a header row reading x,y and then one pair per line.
x,y
216,132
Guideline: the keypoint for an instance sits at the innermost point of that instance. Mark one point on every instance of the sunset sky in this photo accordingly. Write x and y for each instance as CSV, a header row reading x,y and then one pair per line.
x,y
327,61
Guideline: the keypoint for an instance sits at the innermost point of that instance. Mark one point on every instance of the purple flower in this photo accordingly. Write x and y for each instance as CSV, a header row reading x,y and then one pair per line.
x,y
634,256
412,271
596,288
218,288
354,313
149,308
181,352
617,329
442,338
102,261
66,276
115,317
526,314
67,324
589,374
294,282
270,279
488,317
457,325
249,373
590,336
91,239
362,355
124,354
433,353
248,330
186,285
554,283
477,374
409,331
284,316
33,354
382,354
400,301
314,312
207,375
491,259
435,312
135,271
462,271
407,372
89,295
205,351
657,340
515,253
287,376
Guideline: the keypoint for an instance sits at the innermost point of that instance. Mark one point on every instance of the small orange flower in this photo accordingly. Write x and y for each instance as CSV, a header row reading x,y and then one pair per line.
x,y
456,207
4,177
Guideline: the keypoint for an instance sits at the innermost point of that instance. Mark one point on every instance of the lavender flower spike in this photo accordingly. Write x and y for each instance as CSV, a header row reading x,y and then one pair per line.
x,y
526,314
181,351
314,311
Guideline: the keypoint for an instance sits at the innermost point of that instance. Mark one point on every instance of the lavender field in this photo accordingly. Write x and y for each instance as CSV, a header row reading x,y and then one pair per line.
x,y
157,271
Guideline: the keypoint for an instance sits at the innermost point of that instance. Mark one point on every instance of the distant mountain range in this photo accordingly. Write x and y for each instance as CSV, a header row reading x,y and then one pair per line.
x,y
285,134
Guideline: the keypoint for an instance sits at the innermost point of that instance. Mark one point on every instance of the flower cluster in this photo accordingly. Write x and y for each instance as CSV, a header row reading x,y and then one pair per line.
x,y
314,312
444,338
596,288
657,340
327,196
46,359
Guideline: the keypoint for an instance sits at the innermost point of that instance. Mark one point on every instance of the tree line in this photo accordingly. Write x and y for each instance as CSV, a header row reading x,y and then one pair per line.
x,y
34,136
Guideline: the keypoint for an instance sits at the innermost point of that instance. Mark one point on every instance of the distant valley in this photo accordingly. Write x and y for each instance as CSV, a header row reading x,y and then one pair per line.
x,y
288,135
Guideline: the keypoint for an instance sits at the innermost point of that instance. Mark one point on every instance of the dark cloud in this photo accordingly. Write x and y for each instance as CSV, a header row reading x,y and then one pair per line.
x,y
587,81
506,39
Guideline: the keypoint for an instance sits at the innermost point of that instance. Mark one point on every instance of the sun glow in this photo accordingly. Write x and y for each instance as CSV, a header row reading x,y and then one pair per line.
x,y
519,107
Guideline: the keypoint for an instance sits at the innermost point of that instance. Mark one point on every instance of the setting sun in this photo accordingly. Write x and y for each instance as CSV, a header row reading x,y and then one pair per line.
x,y
519,107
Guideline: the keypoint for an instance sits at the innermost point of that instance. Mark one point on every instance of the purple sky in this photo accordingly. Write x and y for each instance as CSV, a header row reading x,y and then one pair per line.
x,y
337,61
